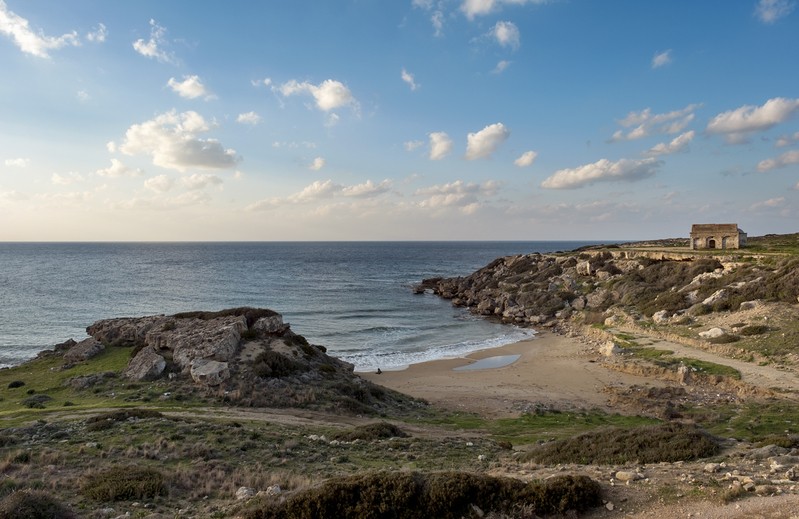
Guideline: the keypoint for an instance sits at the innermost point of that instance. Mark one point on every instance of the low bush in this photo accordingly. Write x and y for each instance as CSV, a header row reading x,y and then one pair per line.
x,y
273,364
15,384
107,420
33,504
124,483
648,444
449,495
754,329
36,401
372,431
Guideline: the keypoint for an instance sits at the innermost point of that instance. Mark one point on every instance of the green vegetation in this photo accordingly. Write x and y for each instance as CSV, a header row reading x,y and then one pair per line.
x,y
754,422
33,504
664,358
121,483
371,432
449,495
648,444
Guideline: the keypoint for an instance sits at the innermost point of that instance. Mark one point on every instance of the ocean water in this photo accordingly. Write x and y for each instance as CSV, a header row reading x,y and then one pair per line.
x,y
354,298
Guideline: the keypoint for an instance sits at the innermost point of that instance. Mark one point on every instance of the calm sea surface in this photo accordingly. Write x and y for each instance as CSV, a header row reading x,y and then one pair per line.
x,y
353,298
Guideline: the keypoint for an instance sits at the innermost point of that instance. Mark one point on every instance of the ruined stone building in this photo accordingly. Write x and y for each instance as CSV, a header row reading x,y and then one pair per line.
x,y
717,236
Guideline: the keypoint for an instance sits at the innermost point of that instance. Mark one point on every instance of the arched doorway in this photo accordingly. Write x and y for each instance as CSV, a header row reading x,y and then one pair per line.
x,y
711,243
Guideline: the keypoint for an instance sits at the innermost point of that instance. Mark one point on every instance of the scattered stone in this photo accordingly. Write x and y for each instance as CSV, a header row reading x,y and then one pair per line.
x,y
273,490
146,365
712,468
661,317
244,493
717,296
209,372
712,333
628,475
609,349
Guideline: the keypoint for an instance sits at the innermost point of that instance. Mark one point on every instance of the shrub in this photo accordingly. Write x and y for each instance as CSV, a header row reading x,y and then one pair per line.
x,y
448,495
372,431
124,483
33,504
15,384
273,364
755,329
36,401
105,421
648,444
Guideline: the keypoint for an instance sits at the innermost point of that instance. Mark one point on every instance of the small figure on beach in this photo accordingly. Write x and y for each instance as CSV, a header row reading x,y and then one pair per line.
x,y
379,371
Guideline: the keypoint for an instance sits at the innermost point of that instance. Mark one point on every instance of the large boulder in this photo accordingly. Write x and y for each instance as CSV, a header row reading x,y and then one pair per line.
x,y
84,350
209,372
146,365
216,339
124,331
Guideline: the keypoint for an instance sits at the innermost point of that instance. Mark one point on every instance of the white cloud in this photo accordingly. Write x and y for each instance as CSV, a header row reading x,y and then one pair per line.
x,y
332,120
261,82
679,143
171,139
200,181
98,35
249,118
329,94
501,66
472,8
408,78
117,169
786,159
159,184
645,123
456,194
437,19
66,180
661,59
485,142
18,162
367,189
506,34
317,164
440,145
294,144
83,96
602,171
412,145
526,159
153,48
771,203
737,124
111,146
787,140
28,40
769,11
190,88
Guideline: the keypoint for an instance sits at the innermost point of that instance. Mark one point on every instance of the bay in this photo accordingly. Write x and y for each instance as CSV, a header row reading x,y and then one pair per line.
x,y
354,298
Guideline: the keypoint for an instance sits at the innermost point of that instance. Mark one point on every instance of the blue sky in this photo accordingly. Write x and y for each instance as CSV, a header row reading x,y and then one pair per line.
x,y
400,120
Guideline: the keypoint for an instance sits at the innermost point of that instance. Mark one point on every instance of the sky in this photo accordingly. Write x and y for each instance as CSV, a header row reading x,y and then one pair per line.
x,y
396,120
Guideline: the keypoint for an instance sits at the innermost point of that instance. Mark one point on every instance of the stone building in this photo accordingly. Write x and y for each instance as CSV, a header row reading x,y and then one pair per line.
x,y
717,236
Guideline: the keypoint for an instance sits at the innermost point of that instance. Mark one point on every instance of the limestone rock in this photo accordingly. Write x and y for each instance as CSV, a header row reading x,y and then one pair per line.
x,y
214,338
712,333
273,324
718,295
661,317
123,332
84,350
749,305
146,365
209,372
244,493
609,349
629,475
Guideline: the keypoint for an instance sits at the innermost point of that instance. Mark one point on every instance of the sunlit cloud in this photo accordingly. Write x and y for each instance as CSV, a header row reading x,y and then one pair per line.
x,y
603,171
506,34
154,47
250,118
787,140
769,11
440,145
771,203
485,142
459,194
645,123
317,164
407,77
191,87
98,35
17,163
117,170
786,159
661,59
200,181
31,41
328,95
501,66
736,125
412,145
473,8
159,184
324,190
678,144
526,159
173,142
66,180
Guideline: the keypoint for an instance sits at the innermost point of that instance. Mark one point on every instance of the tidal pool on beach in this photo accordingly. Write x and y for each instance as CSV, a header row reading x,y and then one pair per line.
x,y
490,363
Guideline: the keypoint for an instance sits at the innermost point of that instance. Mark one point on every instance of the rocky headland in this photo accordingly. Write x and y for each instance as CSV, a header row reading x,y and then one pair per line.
x,y
233,414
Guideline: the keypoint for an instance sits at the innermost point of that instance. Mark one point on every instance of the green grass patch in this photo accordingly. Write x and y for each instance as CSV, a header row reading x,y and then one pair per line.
x,y
754,422
665,359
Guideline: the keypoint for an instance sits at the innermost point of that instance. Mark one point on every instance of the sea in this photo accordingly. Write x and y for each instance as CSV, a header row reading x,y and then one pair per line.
x,y
354,298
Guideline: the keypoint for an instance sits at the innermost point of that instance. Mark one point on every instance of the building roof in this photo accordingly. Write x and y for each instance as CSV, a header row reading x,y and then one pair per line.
x,y
714,228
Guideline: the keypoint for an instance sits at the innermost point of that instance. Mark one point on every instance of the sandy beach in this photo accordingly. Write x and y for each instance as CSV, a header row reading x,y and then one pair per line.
x,y
551,371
